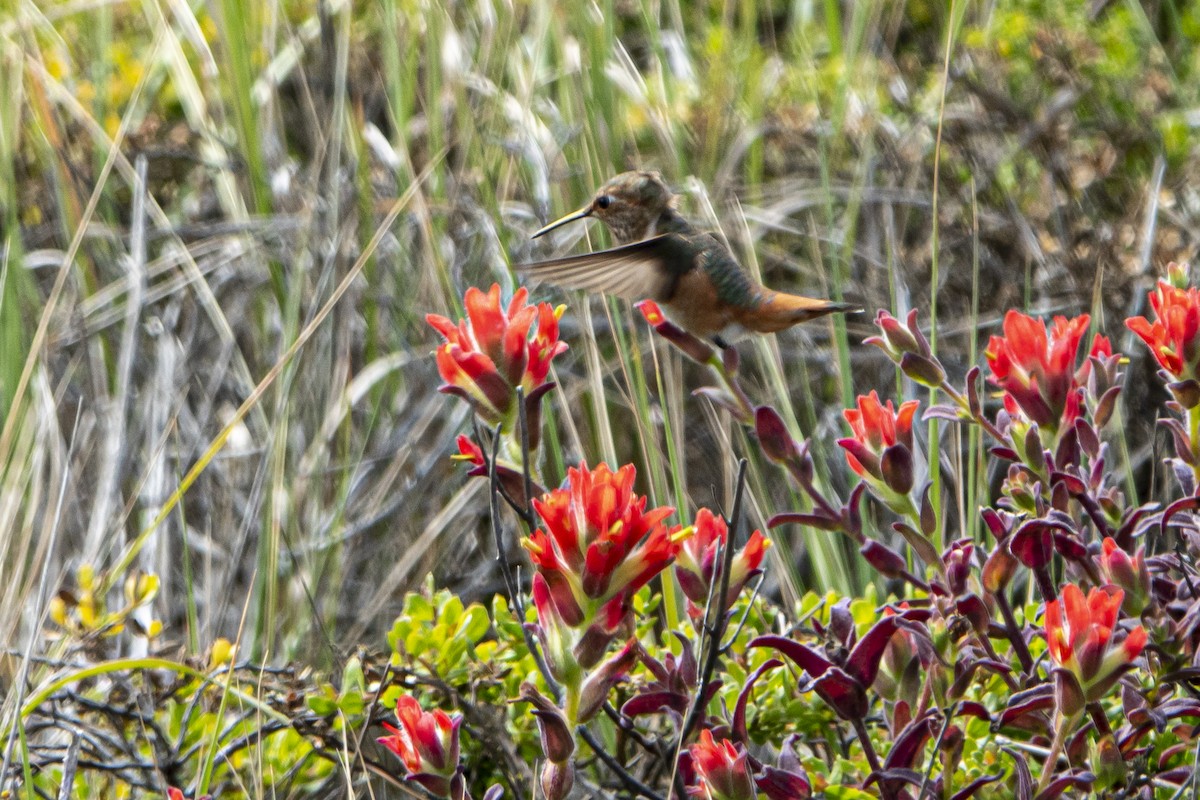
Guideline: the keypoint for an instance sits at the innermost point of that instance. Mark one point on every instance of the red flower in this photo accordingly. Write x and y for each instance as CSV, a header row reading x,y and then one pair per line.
x,y
599,544
721,770
1036,367
1174,336
490,353
698,565
427,743
881,448
1079,636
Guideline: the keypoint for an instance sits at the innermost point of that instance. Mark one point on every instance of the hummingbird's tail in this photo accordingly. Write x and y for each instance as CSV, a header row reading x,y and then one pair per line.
x,y
782,311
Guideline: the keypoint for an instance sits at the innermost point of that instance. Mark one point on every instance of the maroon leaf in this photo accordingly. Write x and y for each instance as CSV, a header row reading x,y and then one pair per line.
x,y
942,411
970,708
864,660
1069,547
800,518
973,401
1074,484
1186,504
910,743
844,695
1078,780
805,657
654,702
1033,543
999,523
886,561
1021,775
1039,698
975,785
738,727
1006,453
778,784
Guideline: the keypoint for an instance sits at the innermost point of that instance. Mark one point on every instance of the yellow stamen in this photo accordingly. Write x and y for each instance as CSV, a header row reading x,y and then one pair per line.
x,y
683,533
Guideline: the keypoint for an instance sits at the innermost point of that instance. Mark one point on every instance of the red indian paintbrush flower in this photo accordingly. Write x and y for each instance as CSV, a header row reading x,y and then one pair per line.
x,y
1036,367
599,544
427,743
721,770
495,350
698,565
1079,636
1174,336
881,448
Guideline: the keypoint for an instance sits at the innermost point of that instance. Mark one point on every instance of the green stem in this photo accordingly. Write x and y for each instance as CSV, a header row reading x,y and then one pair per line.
x,y
1056,748
730,384
1194,439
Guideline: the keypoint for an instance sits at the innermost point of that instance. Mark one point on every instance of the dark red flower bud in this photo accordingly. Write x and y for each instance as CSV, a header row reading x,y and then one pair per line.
x,y
886,561
558,741
777,444
896,465
557,780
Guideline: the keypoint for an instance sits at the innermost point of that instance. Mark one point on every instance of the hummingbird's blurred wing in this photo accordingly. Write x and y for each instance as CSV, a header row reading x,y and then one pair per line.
x,y
649,269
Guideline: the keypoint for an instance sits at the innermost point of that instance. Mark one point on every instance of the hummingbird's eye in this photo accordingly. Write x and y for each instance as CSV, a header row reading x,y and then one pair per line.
x,y
604,201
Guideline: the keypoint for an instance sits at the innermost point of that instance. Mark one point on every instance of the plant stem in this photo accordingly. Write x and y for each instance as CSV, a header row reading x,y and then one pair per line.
x,y
1056,747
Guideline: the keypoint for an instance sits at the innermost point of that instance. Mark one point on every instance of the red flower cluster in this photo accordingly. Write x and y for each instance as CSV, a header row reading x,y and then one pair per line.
x,y
492,352
1079,636
427,743
1174,336
881,447
1036,367
599,544
722,771
697,566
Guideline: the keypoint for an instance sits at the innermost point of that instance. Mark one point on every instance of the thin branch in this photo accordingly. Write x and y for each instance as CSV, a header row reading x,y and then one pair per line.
x,y
618,769
715,617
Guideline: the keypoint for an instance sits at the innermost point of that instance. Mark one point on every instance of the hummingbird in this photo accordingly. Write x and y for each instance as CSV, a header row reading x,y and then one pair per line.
x,y
661,257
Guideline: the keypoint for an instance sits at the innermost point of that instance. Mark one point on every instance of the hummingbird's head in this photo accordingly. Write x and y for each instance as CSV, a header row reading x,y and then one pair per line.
x,y
629,204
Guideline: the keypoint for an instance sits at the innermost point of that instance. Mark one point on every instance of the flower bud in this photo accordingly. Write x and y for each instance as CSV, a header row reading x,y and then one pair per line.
x,y
1131,574
601,681
998,570
896,464
557,780
777,444
1186,393
558,742
925,371
886,561
1108,762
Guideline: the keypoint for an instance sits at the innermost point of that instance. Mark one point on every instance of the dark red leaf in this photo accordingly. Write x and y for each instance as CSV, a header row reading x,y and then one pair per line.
x,y
654,702
975,785
738,728
844,695
800,518
1022,777
910,743
1079,780
805,657
863,663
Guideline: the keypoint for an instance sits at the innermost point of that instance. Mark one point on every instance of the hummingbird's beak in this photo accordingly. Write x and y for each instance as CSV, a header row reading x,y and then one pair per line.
x,y
586,211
